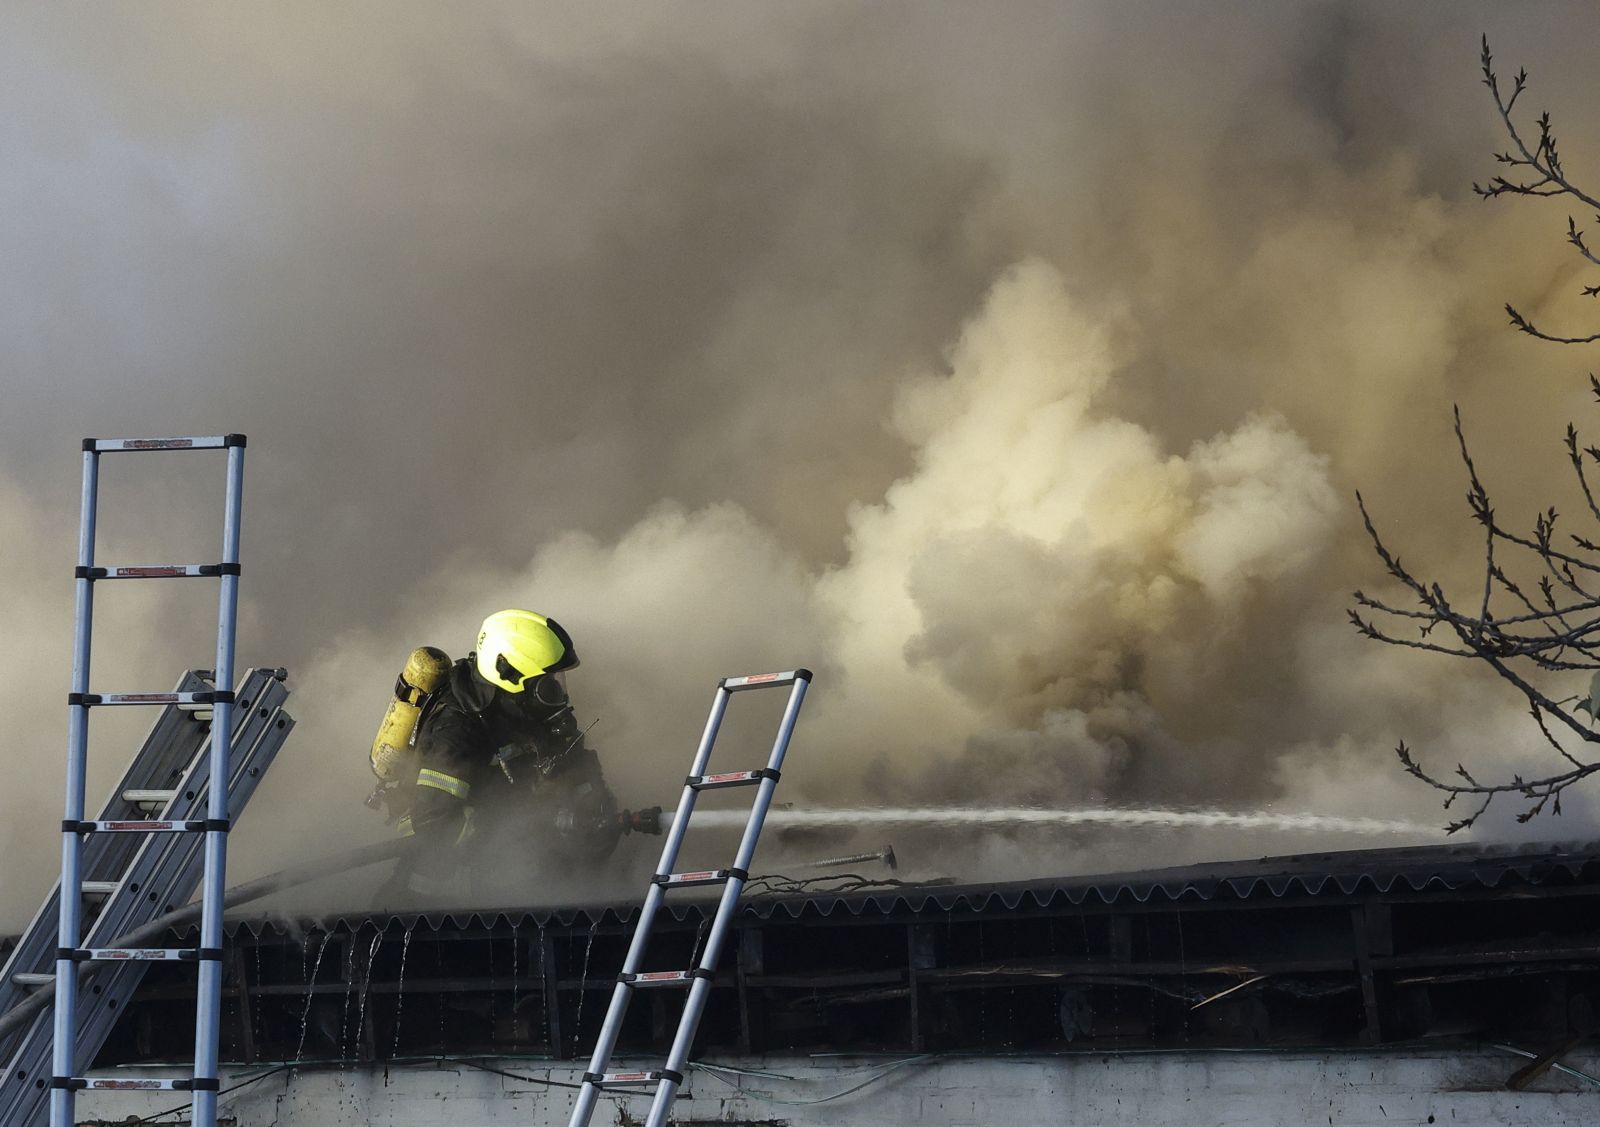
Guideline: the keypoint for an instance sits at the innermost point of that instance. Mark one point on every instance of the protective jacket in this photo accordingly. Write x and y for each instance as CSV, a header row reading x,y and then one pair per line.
x,y
486,753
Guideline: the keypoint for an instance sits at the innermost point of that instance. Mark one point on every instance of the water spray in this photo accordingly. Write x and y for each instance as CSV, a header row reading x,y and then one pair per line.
x,y
1013,816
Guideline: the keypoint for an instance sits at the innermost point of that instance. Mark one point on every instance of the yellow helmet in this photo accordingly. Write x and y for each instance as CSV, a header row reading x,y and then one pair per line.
x,y
515,646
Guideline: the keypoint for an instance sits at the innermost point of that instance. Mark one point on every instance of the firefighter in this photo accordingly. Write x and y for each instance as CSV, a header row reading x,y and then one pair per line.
x,y
497,749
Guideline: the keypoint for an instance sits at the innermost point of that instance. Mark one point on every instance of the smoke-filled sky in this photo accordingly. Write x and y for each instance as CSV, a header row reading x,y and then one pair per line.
x,y
1012,366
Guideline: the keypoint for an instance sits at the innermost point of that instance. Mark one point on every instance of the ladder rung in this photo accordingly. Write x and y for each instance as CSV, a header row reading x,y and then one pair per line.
x,y
144,1084
702,977
155,798
765,680
730,779
146,698
663,977
158,571
205,442
700,877
135,827
100,887
138,954
632,1079
28,978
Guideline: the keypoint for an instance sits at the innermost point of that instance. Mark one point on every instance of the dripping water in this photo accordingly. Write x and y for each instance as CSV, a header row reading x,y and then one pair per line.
x,y
1183,974
311,993
516,951
400,991
349,991
547,995
493,992
366,989
583,979
255,1011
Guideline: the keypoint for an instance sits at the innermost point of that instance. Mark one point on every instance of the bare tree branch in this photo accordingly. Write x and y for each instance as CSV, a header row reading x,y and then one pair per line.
x,y
1537,637
1538,172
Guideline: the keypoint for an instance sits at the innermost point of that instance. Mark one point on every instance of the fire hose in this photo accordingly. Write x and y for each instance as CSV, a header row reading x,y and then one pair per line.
x,y
647,821
366,855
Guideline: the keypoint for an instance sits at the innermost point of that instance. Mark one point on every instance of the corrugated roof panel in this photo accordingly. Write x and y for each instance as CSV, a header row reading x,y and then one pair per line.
x,y
1417,869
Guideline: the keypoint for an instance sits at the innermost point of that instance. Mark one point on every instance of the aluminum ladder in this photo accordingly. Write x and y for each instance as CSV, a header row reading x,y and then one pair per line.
x,y
668,1079
65,1081
131,879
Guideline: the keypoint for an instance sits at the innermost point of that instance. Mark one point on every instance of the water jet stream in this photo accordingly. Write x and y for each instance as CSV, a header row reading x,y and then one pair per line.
x,y
1011,816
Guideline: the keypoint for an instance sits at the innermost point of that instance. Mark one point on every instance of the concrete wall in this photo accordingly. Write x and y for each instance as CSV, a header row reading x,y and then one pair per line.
x,y
1194,1090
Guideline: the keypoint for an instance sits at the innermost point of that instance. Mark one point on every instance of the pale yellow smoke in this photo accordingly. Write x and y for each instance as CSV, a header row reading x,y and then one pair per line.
x,y
1047,556
1051,606
1014,369
1017,619
142,635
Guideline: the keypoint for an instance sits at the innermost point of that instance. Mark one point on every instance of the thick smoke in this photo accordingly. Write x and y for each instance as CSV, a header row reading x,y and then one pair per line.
x,y
1013,370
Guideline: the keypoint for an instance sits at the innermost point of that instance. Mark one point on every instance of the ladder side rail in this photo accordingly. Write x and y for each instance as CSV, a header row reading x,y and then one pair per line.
x,y
20,1101
177,740
708,738
675,834
611,1027
36,947
170,868
745,857
122,979
700,989
129,909
35,952
769,784
71,906
109,856
668,1079
680,819
169,863
162,857
208,1001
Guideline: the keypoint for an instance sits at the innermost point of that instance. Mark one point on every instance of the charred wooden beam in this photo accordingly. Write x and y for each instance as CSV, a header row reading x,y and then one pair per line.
x,y
1368,926
921,956
1541,1064
241,991
751,961
552,995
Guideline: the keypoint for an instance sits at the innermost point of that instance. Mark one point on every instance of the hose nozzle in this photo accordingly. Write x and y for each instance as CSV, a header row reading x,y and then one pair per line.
x,y
646,821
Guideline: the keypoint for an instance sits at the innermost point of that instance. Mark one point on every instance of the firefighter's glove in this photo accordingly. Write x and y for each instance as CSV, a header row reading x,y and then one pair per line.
x,y
646,821
588,814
